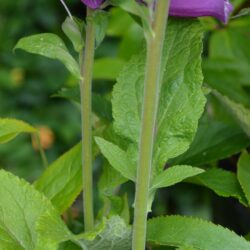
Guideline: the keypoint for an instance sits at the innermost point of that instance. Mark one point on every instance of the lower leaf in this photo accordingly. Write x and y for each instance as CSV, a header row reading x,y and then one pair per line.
x,y
181,231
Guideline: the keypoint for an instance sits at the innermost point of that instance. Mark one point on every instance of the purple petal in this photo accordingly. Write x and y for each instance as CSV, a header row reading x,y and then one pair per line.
x,y
93,4
220,9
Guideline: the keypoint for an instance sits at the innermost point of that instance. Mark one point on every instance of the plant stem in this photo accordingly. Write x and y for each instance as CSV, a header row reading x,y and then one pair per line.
x,y
150,104
41,151
86,64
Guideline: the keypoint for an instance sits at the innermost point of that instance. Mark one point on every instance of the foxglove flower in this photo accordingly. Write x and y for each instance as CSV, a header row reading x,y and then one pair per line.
x,y
220,9
93,4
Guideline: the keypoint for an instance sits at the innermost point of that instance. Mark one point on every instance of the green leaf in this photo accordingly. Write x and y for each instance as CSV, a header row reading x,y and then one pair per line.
x,y
115,205
51,46
227,68
110,180
247,237
10,128
174,175
107,68
100,105
180,231
242,12
186,248
223,183
73,30
100,20
117,158
21,206
53,229
69,246
181,101
137,10
243,174
62,180
221,141
116,235
238,111
228,77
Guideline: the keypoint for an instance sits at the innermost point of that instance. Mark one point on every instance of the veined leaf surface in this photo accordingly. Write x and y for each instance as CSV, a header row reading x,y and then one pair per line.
x,y
181,231
62,180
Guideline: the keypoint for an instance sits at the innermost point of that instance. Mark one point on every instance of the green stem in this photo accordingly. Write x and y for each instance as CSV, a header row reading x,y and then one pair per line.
x,y
150,104
41,151
86,64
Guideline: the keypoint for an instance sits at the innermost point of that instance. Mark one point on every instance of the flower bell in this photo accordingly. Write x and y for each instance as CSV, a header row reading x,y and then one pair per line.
x,y
93,4
220,9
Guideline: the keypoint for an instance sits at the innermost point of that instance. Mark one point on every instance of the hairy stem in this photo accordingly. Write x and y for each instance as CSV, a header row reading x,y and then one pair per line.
x,y
86,64
150,104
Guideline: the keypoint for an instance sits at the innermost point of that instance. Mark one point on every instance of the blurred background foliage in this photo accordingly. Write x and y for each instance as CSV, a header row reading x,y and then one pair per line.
x,y
28,82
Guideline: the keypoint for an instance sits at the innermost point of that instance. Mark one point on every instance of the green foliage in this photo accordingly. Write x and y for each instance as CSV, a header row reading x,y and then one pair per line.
x,y
223,183
21,208
111,234
100,20
107,68
51,46
116,235
116,205
27,218
181,101
221,141
180,231
227,67
100,105
243,174
10,128
61,182
139,11
239,112
118,158
73,29
110,180
174,175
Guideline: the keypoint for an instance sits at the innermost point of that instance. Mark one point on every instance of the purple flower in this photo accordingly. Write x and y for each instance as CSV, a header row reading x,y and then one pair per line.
x,y
220,9
93,4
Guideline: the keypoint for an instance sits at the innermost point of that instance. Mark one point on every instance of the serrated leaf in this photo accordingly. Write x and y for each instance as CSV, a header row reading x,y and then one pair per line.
x,y
21,206
180,231
174,175
117,158
223,183
181,101
62,180
243,174
213,141
116,235
239,112
50,227
51,46
10,128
